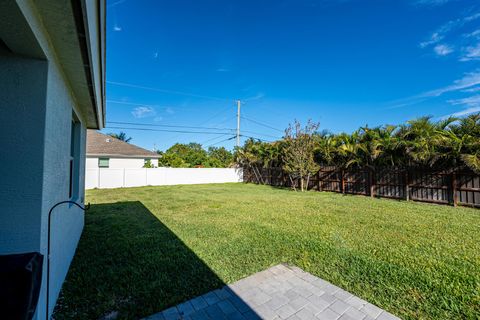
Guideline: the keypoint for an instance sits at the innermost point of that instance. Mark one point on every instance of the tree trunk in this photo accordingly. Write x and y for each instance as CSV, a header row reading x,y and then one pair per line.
x,y
301,183
291,182
256,174
308,182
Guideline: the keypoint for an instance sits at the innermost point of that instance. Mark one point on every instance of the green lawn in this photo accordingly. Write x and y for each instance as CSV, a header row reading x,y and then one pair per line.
x,y
145,249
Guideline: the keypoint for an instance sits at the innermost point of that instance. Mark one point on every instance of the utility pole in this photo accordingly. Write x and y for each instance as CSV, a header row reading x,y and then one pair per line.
x,y
238,123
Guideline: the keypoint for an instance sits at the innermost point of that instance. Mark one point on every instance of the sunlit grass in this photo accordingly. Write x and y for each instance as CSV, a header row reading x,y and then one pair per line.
x,y
161,245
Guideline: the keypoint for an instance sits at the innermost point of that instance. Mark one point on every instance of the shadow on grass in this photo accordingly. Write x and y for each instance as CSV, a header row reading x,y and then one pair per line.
x,y
129,265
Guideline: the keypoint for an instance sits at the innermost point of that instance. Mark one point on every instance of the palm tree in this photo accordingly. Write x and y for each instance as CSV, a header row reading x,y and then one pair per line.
x,y
350,150
421,140
464,139
472,161
326,150
390,145
249,156
121,136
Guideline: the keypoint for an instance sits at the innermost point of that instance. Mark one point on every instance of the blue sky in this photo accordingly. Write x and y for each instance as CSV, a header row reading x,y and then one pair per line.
x,y
343,63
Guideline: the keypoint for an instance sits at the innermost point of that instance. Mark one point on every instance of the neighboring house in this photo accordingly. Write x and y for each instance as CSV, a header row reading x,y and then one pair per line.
x,y
104,151
51,90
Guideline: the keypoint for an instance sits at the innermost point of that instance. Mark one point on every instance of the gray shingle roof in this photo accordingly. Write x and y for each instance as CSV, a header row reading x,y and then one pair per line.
x,y
99,144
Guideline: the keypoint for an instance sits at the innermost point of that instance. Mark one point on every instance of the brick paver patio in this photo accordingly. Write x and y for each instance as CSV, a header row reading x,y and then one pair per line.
x,y
280,292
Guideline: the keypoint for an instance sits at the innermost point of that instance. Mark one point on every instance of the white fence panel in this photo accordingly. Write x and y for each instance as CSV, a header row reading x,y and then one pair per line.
x,y
156,176
135,177
117,178
110,178
91,178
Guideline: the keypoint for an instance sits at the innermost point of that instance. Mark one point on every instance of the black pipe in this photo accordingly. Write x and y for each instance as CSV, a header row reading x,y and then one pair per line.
x,y
48,243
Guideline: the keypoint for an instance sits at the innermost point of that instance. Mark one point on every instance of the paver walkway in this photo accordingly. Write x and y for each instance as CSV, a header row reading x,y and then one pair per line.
x,y
280,292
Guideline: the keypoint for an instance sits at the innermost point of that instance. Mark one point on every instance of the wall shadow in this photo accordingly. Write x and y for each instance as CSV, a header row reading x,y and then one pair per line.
x,y
129,265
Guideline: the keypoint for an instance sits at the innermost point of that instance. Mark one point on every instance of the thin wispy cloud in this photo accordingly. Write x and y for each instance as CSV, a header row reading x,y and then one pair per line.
x,y
431,2
472,17
222,70
440,34
258,96
443,49
473,101
474,89
464,112
143,112
470,104
117,28
115,3
434,38
409,101
473,34
169,110
471,53
469,80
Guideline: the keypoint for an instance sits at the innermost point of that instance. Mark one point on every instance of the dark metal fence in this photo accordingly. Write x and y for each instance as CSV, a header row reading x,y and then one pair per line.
x,y
454,187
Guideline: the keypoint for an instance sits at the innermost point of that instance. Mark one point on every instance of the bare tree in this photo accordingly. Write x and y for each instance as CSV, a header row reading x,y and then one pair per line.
x,y
298,157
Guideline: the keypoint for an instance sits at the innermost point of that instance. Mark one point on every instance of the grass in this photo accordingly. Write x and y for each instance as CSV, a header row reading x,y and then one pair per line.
x,y
145,249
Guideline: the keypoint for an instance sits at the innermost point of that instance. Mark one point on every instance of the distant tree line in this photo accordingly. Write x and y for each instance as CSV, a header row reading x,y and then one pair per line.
x,y
193,155
422,142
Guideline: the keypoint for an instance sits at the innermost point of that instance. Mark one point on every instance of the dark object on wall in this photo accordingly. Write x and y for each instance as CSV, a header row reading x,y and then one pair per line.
x,y
20,282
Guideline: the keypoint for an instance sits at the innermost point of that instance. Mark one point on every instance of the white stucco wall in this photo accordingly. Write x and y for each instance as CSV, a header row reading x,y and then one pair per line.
x,y
120,163
35,170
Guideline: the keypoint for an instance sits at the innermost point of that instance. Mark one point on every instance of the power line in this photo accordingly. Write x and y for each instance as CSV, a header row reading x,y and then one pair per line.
x,y
225,121
238,122
215,115
212,139
188,127
138,104
255,138
261,134
123,84
163,130
213,144
209,119
169,126
130,103
261,124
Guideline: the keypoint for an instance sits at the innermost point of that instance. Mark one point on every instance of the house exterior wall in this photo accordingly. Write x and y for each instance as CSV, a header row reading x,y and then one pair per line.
x,y
67,221
120,163
22,151
35,159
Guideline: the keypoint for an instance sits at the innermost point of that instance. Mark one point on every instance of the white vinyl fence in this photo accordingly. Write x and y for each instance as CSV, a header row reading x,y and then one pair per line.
x,y
103,178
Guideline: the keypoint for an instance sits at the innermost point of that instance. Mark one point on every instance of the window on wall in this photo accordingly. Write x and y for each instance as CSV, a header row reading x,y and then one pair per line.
x,y
103,162
74,167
